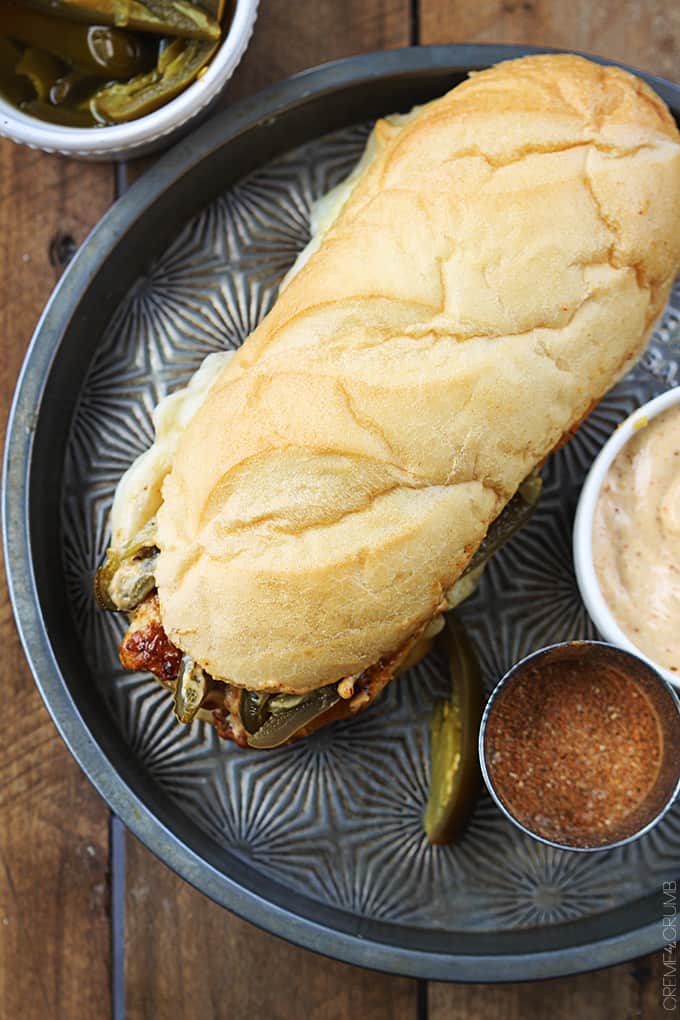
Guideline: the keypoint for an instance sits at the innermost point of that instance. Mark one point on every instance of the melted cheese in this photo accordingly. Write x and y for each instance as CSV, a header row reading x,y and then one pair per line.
x,y
138,495
325,210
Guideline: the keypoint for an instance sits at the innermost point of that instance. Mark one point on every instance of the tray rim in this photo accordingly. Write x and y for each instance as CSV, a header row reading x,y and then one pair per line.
x,y
220,131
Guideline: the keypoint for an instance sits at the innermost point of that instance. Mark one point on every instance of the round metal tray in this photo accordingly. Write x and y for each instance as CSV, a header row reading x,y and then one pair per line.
x,y
320,842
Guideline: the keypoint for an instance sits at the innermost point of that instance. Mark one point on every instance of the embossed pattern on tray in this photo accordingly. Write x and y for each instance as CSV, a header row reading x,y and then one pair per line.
x,y
338,817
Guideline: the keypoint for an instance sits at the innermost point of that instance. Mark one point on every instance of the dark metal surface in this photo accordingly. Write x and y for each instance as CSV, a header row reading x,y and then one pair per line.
x,y
125,247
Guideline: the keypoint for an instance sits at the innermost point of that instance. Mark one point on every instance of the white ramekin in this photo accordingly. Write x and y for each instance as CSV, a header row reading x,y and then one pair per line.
x,y
586,577
147,133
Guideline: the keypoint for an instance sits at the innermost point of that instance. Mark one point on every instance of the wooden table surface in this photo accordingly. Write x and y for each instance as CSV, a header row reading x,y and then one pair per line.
x,y
92,926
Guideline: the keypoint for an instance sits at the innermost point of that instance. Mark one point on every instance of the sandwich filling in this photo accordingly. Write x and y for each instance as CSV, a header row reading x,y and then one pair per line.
x,y
250,718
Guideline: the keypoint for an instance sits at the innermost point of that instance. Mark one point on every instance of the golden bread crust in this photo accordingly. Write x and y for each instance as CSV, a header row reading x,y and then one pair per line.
x,y
497,267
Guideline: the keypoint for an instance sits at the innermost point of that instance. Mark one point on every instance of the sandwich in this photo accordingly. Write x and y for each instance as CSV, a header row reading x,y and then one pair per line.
x,y
316,502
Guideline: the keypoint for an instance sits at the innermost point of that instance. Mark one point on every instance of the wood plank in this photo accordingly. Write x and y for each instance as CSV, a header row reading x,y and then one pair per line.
x,y
242,971
187,957
291,37
54,923
643,33
646,35
629,990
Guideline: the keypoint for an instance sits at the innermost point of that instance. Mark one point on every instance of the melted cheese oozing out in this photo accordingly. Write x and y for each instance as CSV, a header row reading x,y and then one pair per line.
x,y
325,210
138,495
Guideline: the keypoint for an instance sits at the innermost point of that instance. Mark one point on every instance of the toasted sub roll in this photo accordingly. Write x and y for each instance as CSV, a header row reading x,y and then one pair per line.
x,y
496,266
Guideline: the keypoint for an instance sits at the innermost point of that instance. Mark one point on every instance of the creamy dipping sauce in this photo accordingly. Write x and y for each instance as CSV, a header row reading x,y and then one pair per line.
x,y
636,539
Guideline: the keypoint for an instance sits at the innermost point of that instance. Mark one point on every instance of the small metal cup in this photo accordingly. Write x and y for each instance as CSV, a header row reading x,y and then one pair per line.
x,y
663,699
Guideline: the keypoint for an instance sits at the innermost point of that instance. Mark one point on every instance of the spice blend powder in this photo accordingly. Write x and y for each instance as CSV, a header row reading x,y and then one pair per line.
x,y
572,753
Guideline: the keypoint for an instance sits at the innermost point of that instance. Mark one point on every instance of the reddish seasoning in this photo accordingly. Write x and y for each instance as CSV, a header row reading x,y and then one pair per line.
x,y
573,752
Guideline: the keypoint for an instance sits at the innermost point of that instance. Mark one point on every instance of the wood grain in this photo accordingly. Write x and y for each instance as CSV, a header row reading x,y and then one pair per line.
x,y
291,37
186,957
243,972
632,990
54,924
643,33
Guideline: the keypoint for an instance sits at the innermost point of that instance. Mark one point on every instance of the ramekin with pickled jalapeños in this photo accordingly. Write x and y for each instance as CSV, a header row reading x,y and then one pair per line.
x,y
90,63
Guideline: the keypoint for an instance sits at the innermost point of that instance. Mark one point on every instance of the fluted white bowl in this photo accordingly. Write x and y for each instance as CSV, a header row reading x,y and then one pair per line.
x,y
156,129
